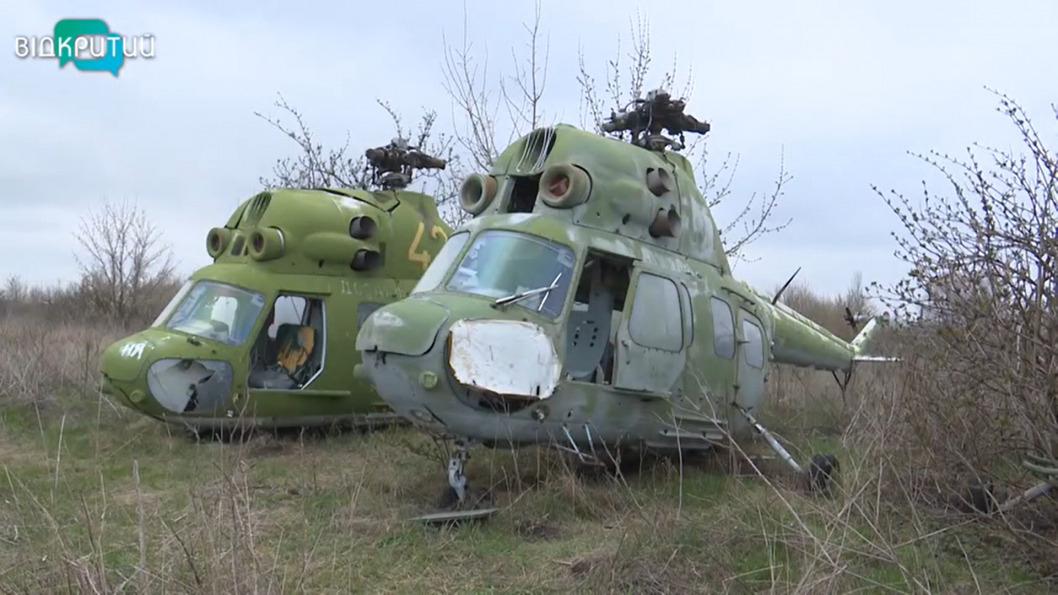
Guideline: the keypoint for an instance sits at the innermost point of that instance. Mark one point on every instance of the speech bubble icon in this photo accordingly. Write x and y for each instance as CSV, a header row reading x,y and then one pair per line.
x,y
67,30
113,57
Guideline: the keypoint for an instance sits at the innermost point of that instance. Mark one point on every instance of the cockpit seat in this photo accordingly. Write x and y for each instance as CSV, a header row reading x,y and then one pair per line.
x,y
294,346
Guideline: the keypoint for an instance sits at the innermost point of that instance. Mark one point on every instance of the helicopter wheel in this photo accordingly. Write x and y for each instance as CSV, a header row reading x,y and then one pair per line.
x,y
200,435
821,473
458,495
449,499
473,499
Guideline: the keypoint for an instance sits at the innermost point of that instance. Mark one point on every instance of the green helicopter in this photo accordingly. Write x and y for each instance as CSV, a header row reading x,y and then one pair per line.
x,y
264,337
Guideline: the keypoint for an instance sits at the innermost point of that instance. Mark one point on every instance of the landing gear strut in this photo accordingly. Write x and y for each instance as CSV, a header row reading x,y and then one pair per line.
x,y
456,491
455,500
820,471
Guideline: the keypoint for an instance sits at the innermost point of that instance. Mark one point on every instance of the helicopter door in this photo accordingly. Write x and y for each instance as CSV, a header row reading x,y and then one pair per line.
x,y
651,343
750,383
289,351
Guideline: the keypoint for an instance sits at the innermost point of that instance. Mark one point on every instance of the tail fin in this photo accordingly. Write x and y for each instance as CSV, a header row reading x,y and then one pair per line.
x,y
859,343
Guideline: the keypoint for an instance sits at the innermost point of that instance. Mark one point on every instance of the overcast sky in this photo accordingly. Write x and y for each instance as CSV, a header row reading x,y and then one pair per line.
x,y
844,88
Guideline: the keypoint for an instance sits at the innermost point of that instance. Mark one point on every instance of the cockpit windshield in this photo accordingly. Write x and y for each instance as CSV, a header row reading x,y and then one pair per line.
x,y
518,269
173,302
441,263
216,311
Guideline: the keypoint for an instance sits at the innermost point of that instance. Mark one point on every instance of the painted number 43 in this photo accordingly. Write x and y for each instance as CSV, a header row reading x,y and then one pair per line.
x,y
423,257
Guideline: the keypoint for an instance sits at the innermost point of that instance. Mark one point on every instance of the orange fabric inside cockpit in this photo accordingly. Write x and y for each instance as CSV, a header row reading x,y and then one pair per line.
x,y
295,351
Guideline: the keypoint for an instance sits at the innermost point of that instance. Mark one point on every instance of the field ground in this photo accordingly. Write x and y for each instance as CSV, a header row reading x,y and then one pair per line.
x,y
330,514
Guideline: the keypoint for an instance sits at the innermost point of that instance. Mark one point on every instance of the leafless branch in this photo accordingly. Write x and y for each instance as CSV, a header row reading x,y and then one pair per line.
x,y
981,290
530,80
755,218
315,166
124,261
472,104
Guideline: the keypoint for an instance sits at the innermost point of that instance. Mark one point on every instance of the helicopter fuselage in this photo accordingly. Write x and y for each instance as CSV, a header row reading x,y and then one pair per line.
x,y
265,336
207,377
589,303
634,344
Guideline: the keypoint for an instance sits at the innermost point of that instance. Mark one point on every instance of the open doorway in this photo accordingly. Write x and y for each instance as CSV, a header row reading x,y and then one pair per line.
x,y
595,317
288,352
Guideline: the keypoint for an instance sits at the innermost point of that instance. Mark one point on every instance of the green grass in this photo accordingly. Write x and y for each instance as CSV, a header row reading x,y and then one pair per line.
x,y
331,514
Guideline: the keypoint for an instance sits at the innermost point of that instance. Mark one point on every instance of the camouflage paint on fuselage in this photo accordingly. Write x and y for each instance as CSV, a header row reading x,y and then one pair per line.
x,y
690,342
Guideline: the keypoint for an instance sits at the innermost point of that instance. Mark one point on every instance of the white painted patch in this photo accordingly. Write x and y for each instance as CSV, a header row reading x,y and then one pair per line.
x,y
507,357
516,218
133,350
345,203
387,320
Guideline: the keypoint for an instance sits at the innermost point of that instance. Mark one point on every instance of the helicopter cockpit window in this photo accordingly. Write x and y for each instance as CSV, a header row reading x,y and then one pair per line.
x,y
217,311
441,263
754,347
177,297
506,264
289,351
723,329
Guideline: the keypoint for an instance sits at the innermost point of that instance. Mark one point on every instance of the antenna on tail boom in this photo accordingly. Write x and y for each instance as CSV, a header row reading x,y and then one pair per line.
x,y
779,293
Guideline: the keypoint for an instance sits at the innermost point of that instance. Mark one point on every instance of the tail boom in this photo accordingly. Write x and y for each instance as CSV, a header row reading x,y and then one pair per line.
x,y
798,341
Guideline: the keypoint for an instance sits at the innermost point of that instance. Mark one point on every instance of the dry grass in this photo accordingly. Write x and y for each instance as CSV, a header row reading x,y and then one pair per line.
x,y
96,499
39,358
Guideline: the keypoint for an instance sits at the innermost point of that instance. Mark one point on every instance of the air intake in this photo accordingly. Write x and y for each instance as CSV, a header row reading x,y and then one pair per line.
x,y
256,209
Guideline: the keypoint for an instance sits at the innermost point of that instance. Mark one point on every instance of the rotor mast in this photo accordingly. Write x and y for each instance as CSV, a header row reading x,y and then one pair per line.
x,y
646,118
392,165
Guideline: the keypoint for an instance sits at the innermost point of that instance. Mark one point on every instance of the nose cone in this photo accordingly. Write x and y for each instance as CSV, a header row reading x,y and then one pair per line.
x,y
453,378
401,355
122,367
124,359
161,374
407,327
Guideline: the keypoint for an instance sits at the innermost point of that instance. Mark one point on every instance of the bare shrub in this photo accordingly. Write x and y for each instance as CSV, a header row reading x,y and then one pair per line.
x,y
982,365
125,269
52,338
976,388
315,166
830,311
12,294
